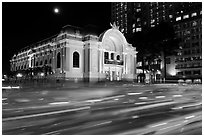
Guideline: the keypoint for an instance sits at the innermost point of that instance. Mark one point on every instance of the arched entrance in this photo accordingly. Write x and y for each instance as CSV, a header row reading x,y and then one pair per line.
x,y
117,54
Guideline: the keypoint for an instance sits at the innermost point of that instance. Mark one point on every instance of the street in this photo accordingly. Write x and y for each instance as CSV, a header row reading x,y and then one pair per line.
x,y
117,109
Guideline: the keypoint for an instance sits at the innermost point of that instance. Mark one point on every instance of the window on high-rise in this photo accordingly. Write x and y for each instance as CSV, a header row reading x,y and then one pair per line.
x,y
152,21
138,10
194,23
185,16
178,18
138,29
170,16
193,14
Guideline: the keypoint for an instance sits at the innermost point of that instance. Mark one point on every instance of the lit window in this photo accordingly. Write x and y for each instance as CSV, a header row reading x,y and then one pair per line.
x,y
122,30
194,23
138,29
181,11
138,19
152,21
178,18
170,16
152,25
133,30
201,12
133,25
138,10
185,16
193,14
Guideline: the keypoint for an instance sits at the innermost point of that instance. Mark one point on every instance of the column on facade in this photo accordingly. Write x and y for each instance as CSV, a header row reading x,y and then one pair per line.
x,y
102,61
61,59
124,59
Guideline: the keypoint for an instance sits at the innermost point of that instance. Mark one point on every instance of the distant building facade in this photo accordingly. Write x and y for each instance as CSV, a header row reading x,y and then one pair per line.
x,y
77,56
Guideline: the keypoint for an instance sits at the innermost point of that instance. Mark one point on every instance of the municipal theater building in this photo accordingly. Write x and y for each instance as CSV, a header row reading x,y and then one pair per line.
x,y
75,55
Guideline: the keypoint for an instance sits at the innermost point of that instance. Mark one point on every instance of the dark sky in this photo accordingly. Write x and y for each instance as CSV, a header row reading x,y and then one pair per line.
x,y
27,23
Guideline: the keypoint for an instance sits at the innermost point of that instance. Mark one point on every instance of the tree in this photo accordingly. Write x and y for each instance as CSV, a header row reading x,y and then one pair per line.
x,y
153,43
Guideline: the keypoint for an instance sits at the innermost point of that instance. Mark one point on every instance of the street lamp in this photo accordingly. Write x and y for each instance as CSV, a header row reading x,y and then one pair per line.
x,y
19,75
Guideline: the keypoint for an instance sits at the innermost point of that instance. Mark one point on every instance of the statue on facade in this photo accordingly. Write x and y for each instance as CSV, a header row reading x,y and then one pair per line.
x,y
114,26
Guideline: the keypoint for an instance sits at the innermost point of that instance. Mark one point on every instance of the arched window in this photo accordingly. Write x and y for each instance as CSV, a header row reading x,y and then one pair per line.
x,y
118,57
76,60
106,55
58,60
112,56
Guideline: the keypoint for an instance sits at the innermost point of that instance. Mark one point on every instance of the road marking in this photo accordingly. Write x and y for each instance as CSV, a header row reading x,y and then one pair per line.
x,y
22,100
133,117
116,99
177,96
118,96
142,97
44,114
93,100
133,93
190,117
160,96
159,125
141,103
142,107
58,103
107,122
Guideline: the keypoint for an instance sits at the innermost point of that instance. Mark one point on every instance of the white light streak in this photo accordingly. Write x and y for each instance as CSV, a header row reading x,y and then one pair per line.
x,y
160,96
142,97
177,95
141,103
190,117
93,100
44,114
159,125
135,117
134,93
58,103
170,127
4,98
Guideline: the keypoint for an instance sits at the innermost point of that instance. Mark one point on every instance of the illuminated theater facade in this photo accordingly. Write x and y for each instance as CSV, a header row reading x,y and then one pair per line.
x,y
76,56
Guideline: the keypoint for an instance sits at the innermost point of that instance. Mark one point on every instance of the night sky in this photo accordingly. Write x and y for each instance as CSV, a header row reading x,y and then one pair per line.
x,y
27,23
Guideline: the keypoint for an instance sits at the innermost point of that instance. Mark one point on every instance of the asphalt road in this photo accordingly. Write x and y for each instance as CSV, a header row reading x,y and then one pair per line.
x,y
125,109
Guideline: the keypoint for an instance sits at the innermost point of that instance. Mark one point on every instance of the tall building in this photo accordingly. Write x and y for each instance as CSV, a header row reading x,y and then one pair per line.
x,y
74,54
186,18
188,27
133,17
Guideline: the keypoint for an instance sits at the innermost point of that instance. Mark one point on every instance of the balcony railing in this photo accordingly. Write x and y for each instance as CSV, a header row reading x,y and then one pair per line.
x,y
115,62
